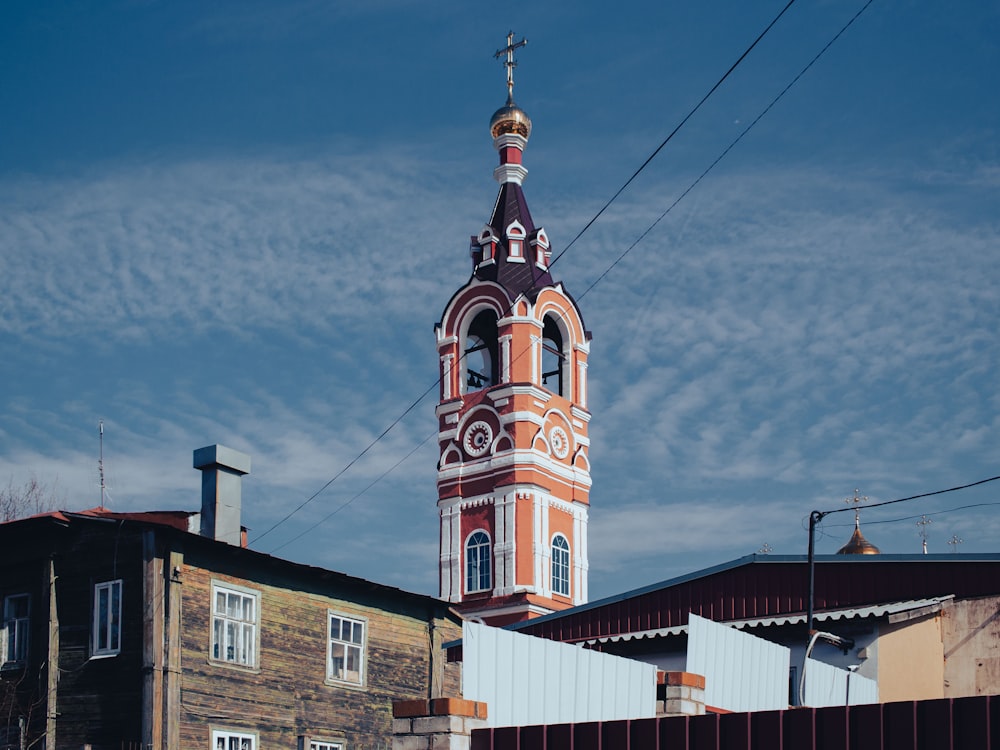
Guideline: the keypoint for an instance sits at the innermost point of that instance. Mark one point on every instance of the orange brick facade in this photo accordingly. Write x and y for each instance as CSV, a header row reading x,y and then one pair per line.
x,y
514,469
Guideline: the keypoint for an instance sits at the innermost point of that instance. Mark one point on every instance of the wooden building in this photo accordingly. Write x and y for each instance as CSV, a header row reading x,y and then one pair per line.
x,y
129,630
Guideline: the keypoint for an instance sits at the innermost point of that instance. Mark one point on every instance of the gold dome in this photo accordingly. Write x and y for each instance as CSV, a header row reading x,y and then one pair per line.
x,y
858,545
510,119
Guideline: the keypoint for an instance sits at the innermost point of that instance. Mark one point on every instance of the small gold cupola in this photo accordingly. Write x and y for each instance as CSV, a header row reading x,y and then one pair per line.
x,y
857,544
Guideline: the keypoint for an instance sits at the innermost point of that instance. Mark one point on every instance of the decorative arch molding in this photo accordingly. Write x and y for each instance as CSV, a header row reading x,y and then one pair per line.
x,y
468,302
479,432
450,455
555,436
504,442
556,301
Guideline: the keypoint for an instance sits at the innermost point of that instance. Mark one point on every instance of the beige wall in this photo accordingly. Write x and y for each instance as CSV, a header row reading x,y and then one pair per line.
x,y
971,633
911,660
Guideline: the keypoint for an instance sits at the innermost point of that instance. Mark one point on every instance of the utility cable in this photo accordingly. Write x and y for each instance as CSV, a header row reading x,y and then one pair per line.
x,y
673,132
910,518
823,514
724,153
642,236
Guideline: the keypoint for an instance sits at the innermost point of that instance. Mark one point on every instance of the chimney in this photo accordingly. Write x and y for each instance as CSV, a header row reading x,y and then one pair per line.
x,y
221,472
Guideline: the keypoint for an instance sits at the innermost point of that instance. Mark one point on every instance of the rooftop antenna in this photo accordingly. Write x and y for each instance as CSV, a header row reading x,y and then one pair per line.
x,y
922,525
100,461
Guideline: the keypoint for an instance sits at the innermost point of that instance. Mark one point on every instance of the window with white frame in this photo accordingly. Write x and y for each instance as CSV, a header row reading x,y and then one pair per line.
x,y
346,649
235,615
560,565
515,242
106,636
478,571
16,613
325,745
227,739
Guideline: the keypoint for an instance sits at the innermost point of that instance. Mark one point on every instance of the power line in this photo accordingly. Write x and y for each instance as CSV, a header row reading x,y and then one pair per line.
x,y
586,227
910,518
726,151
823,514
673,132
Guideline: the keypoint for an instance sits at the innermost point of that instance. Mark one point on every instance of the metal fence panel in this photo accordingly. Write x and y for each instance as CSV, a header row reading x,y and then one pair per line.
x,y
526,680
742,672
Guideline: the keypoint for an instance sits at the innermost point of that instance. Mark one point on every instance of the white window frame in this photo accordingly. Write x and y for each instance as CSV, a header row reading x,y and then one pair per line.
x,y
560,566
489,564
15,632
340,648
239,630
106,635
242,740
310,743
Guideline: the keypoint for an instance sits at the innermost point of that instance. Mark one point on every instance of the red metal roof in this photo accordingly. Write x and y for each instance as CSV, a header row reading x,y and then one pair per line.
x,y
768,585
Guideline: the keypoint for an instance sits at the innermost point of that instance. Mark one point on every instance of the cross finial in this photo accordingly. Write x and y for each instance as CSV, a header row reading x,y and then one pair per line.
x,y
922,525
510,63
955,541
856,502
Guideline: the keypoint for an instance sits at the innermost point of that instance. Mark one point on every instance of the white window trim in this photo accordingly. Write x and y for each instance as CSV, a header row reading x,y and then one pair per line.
x,y
95,630
5,628
231,734
231,588
308,742
568,565
489,562
362,647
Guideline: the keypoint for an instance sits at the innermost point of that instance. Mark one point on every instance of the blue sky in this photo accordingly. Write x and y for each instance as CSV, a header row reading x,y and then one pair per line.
x,y
238,223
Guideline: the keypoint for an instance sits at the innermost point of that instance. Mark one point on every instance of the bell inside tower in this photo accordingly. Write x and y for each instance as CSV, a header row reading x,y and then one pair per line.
x,y
480,353
553,356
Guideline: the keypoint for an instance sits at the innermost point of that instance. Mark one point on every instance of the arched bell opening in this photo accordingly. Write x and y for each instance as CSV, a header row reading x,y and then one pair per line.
x,y
480,355
554,358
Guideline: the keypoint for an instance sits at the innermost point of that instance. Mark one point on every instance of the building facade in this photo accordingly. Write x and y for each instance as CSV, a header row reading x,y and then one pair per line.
x,y
134,630
513,473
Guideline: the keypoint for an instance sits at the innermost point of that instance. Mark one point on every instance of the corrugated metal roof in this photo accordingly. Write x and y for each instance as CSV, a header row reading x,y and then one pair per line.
x,y
911,606
761,586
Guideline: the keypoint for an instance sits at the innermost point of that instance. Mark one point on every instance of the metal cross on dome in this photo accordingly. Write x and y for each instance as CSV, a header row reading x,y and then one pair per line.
x,y
856,502
510,63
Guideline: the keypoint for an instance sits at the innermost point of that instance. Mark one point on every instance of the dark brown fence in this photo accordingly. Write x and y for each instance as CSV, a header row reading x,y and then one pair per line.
x,y
948,724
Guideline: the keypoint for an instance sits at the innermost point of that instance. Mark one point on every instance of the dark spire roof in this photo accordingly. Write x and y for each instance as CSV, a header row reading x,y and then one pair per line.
x,y
516,277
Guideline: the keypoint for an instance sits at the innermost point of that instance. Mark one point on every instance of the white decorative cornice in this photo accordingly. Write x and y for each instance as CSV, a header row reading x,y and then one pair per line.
x,y
510,139
520,389
448,407
510,173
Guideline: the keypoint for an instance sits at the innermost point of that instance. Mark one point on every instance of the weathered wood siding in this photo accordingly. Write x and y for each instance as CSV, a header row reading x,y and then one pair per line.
x,y
97,700
100,701
288,695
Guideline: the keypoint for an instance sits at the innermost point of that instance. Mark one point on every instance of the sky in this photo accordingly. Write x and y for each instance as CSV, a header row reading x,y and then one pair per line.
x,y
238,222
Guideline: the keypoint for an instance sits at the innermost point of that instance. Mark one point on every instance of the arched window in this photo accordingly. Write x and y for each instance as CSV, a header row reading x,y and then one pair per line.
x,y
553,357
560,565
481,365
478,571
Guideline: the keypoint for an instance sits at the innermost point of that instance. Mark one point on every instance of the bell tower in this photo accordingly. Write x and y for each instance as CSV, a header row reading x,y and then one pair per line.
x,y
513,473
